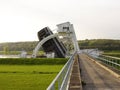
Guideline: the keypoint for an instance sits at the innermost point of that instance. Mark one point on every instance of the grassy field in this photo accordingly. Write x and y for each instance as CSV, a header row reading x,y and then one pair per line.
x,y
112,53
28,76
33,61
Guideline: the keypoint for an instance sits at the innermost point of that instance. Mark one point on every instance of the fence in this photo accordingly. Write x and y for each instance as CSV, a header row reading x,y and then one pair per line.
x,y
62,79
109,60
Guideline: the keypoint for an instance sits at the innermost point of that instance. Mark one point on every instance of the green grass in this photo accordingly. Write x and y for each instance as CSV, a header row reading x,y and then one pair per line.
x,y
112,53
33,61
27,77
117,51
28,73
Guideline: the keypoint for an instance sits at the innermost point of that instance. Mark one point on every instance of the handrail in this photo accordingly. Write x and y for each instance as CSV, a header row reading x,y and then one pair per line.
x,y
109,60
110,57
63,76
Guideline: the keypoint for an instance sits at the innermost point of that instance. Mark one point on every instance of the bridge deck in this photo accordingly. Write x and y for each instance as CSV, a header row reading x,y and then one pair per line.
x,y
95,77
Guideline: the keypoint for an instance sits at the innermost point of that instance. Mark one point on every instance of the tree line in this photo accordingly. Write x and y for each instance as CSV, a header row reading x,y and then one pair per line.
x,y
18,46
101,44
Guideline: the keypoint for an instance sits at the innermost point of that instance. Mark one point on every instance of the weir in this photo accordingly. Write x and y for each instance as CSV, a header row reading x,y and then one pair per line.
x,y
86,69
51,42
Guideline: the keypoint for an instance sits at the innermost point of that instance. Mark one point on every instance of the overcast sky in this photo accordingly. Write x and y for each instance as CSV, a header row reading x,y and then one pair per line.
x,y
20,20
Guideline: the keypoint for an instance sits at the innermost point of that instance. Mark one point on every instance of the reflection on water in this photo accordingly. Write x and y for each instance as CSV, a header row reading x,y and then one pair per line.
x,y
9,56
13,56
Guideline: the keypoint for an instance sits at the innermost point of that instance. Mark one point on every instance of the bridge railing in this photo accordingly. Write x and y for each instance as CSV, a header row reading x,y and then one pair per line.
x,y
109,60
62,79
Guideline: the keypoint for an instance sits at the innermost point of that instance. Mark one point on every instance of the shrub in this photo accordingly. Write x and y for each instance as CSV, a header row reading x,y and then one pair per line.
x,y
33,61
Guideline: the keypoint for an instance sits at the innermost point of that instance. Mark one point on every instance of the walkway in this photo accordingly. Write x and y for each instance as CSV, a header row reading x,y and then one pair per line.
x,y
95,77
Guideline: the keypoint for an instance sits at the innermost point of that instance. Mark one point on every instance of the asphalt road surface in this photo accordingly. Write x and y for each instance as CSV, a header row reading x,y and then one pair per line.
x,y
95,77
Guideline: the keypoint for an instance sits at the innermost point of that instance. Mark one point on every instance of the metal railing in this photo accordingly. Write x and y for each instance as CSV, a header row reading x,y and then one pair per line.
x,y
61,80
109,60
